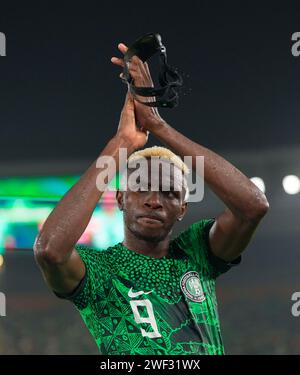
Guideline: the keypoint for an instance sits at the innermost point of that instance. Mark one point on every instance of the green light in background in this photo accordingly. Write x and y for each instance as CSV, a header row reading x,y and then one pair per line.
x,y
36,187
25,203
47,187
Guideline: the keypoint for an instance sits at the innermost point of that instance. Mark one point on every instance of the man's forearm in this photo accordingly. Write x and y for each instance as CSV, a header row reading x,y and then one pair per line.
x,y
238,193
69,219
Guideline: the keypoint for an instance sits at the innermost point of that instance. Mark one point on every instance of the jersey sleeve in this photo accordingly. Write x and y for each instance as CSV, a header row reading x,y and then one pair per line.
x,y
85,292
195,242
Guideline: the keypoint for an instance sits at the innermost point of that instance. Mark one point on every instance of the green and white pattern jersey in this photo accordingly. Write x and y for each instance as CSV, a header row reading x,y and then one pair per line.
x,y
135,304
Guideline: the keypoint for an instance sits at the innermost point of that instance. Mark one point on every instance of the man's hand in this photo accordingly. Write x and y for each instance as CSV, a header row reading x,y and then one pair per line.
x,y
147,117
127,129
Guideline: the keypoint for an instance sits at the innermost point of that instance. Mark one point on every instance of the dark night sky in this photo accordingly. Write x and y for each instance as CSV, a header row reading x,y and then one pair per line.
x,y
60,97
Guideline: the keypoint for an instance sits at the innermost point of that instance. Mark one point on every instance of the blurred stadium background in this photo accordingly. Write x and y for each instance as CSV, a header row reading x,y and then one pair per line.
x,y
59,104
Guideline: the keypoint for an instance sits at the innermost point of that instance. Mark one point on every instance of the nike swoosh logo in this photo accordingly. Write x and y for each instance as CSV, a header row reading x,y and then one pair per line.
x,y
132,294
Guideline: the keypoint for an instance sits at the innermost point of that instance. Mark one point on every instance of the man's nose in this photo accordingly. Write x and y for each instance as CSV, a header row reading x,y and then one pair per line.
x,y
153,199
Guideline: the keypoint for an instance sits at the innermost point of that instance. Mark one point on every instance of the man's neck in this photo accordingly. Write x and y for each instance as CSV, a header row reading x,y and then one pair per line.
x,y
152,249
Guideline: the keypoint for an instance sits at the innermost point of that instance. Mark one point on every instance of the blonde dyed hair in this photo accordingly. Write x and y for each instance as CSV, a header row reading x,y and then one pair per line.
x,y
166,155
161,152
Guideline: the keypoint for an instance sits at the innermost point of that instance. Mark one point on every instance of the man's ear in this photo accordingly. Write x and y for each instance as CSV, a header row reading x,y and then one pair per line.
x,y
119,198
183,210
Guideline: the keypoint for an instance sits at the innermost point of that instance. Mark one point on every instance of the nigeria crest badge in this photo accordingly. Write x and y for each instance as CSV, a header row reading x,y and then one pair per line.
x,y
191,286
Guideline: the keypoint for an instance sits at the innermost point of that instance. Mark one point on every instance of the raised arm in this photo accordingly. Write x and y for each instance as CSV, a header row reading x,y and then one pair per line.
x,y
246,204
54,249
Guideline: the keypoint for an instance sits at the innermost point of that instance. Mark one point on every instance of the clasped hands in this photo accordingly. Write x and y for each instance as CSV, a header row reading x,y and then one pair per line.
x,y
146,118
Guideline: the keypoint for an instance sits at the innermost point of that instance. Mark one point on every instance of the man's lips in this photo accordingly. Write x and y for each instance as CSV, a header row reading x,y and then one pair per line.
x,y
151,218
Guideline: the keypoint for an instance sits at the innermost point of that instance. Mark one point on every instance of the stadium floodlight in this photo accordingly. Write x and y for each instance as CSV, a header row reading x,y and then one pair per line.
x,y
291,184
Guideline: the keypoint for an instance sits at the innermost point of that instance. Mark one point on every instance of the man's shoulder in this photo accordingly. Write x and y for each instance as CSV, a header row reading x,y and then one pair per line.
x,y
195,231
194,242
90,254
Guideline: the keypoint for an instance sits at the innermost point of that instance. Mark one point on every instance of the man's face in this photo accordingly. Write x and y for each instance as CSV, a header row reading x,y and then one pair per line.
x,y
150,215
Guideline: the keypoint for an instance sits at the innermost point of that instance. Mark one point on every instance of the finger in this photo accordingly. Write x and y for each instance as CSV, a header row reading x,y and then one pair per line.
x,y
142,69
120,62
117,61
129,102
122,47
148,73
122,76
134,76
136,61
127,113
134,71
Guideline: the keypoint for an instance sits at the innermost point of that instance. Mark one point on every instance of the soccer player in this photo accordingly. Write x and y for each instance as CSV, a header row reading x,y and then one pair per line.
x,y
150,294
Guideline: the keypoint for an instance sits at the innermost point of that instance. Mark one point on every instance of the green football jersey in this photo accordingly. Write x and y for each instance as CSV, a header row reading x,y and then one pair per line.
x,y
136,304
